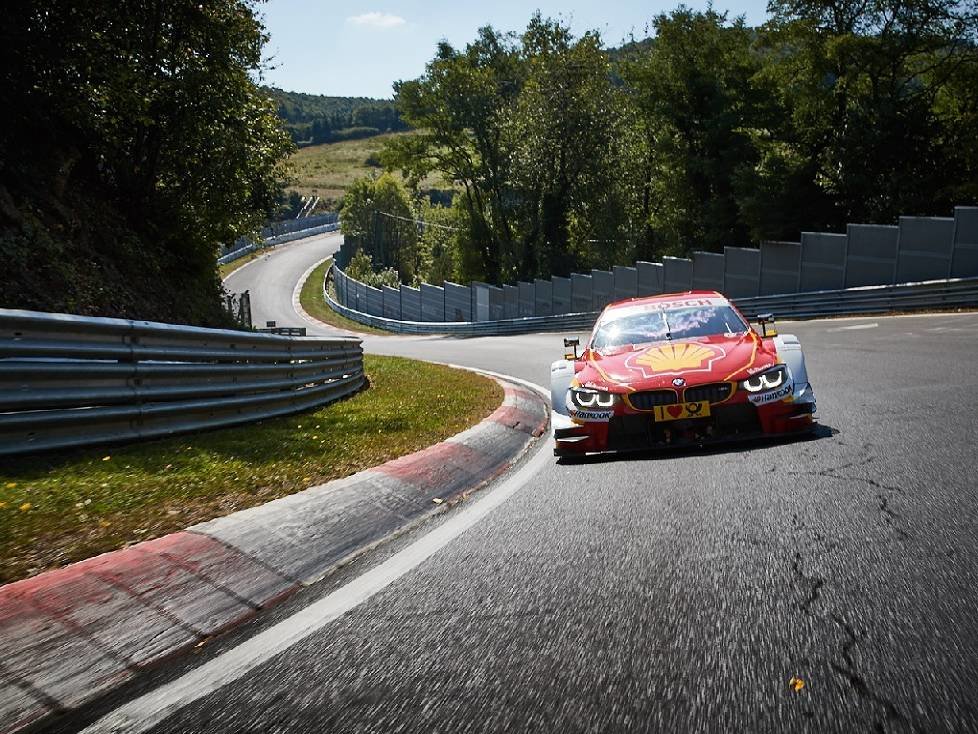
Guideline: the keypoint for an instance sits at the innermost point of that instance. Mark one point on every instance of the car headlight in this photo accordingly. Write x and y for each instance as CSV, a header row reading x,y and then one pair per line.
x,y
592,398
770,380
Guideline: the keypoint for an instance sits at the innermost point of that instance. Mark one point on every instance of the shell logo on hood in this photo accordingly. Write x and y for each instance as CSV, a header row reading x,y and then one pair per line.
x,y
674,358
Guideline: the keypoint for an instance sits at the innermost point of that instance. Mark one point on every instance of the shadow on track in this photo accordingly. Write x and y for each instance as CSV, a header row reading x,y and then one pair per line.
x,y
728,446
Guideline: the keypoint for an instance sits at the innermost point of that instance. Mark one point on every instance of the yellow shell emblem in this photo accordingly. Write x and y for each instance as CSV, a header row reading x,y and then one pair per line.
x,y
676,357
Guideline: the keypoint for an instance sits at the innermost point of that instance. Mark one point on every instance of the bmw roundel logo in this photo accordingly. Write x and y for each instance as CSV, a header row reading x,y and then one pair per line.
x,y
678,382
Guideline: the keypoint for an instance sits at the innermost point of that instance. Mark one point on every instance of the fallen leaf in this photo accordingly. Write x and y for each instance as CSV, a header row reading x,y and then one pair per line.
x,y
104,523
796,684
25,507
106,458
2,505
437,500
11,485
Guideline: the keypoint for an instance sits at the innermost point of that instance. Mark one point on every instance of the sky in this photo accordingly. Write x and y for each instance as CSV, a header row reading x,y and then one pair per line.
x,y
359,49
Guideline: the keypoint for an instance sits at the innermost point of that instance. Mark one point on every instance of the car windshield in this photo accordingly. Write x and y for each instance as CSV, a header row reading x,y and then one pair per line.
x,y
654,325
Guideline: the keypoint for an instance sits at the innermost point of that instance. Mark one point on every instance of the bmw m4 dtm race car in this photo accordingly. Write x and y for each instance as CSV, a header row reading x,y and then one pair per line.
x,y
683,368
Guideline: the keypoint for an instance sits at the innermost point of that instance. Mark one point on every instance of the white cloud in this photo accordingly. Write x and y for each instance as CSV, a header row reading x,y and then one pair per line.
x,y
377,20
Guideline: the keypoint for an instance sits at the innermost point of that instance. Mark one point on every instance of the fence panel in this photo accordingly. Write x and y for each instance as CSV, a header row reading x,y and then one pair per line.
x,y
581,298
823,261
410,303
742,272
965,263
392,302
626,283
926,248
871,257
432,303
602,288
780,267
707,271
650,278
561,295
458,302
677,274
543,299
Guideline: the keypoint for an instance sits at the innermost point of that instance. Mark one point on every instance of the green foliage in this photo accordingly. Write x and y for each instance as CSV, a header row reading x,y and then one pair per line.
x,y
361,267
136,143
313,119
565,155
377,213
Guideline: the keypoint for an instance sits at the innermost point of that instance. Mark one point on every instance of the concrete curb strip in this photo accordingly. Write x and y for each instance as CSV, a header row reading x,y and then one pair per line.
x,y
72,634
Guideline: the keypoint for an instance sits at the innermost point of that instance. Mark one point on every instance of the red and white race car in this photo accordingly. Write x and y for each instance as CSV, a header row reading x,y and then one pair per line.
x,y
683,368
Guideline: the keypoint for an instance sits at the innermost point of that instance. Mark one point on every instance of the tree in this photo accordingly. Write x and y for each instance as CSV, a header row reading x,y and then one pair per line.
x,y
693,92
866,128
377,214
459,107
142,120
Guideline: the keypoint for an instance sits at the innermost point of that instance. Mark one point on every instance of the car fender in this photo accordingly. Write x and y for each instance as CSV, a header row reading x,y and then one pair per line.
x,y
790,352
561,374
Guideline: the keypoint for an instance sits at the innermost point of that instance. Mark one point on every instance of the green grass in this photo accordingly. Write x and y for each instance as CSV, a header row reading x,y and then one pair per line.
x,y
311,299
328,170
55,509
227,268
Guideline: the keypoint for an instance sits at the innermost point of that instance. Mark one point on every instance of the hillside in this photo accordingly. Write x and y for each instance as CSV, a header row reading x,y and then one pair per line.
x,y
327,170
312,119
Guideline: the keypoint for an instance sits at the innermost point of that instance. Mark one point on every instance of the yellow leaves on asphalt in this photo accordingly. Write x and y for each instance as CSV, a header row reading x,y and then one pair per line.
x,y
796,684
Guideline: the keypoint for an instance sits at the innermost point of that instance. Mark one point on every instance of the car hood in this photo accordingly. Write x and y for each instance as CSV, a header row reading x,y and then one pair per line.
x,y
698,361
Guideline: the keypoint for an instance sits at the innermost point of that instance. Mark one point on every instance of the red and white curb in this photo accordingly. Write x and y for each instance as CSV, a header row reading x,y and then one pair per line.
x,y
73,634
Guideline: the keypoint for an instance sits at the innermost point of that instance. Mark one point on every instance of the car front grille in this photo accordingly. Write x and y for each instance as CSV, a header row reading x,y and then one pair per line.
x,y
648,399
715,393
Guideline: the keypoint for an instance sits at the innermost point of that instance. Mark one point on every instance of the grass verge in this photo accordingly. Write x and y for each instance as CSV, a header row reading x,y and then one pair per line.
x,y
311,299
227,268
56,509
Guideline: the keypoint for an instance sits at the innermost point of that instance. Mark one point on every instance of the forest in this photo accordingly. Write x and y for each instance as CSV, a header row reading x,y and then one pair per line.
x,y
136,141
313,119
559,154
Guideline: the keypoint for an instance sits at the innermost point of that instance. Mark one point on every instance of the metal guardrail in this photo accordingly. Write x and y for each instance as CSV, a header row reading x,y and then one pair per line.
x,y
68,381
279,239
928,295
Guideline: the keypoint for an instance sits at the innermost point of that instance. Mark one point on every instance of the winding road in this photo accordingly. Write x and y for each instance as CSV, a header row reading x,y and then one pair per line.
x,y
829,584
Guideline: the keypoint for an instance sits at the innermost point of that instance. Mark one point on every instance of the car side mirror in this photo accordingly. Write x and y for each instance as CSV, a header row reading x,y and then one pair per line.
x,y
568,343
766,320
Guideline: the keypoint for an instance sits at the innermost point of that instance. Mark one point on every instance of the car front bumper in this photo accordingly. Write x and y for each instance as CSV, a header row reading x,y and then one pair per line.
x,y
628,430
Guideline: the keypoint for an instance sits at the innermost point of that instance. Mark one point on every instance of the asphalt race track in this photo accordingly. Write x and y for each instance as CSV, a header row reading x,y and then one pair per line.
x,y
672,592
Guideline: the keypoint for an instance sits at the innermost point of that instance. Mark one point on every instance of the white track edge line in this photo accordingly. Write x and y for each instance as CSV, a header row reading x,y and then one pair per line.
x,y
150,709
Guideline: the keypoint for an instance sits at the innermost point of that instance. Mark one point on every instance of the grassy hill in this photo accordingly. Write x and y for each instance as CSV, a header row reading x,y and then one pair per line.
x,y
327,170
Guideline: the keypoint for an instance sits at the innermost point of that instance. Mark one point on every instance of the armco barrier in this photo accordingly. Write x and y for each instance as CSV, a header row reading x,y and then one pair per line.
x,y
282,232
937,294
69,381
